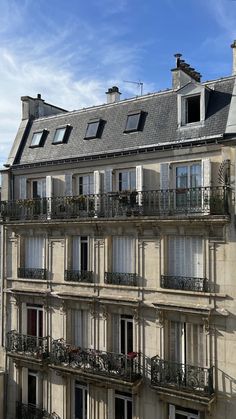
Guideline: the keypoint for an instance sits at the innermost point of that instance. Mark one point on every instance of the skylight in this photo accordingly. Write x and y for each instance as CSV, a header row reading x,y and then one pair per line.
x,y
38,138
61,135
93,129
133,122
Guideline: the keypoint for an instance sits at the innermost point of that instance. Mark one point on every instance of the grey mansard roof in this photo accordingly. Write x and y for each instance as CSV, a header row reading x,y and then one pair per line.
x,y
160,125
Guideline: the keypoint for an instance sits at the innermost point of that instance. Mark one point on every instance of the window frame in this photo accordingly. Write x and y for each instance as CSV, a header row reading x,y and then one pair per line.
x,y
97,133
138,114
187,99
42,138
129,172
65,136
85,394
82,240
126,397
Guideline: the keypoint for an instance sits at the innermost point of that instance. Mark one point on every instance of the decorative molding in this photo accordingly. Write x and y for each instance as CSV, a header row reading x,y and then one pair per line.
x,y
160,320
64,307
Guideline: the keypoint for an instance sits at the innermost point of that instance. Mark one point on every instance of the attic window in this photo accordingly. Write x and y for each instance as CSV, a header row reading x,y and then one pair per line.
x,y
193,109
38,138
93,129
133,122
61,135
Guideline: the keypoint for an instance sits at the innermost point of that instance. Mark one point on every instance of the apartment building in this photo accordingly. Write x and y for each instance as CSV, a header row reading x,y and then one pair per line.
x,y
118,257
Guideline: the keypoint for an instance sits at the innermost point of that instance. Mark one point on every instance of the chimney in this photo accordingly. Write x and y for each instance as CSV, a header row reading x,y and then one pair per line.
x,y
233,46
113,94
183,73
32,107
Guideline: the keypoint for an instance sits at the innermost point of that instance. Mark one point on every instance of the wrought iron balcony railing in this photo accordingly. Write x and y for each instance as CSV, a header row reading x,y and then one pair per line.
x,y
29,411
32,273
186,283
181,376
108,364
170,202
78,276
120,278
32,346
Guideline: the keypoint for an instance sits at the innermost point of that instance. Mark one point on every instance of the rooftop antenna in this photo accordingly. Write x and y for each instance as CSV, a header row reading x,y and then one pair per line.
x,y
138,83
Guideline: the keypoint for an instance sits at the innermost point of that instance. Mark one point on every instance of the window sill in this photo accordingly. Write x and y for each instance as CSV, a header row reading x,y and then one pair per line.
x,y
197,124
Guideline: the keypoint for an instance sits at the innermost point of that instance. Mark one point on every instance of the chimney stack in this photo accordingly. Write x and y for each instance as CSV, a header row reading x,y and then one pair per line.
x,y
113,94
183,73
233,46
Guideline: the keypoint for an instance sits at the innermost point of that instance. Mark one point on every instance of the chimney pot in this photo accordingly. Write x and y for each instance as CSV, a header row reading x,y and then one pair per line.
x,y
233,46
113,94
38,96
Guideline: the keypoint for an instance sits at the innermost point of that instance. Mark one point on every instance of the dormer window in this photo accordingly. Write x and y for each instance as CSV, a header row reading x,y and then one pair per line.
x,y
133,122
38,138
61,135
193,109
93,129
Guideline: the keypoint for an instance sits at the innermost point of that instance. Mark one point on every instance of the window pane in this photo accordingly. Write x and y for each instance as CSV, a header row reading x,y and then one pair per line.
x,y
182,177
36,138
132,122
92,129
132,180
31,322
119,408
193,109
59,135
32,389
79,403
195,176
129,409
129,337
84,255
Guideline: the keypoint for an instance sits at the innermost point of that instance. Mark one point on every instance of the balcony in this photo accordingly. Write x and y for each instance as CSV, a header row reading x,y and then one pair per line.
x,y
32,273
100,363
186,283
29,411
167,203
25,345
181,377
120,278
79,276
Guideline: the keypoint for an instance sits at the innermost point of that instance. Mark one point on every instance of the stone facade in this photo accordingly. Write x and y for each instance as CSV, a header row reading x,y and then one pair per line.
x,y
118,266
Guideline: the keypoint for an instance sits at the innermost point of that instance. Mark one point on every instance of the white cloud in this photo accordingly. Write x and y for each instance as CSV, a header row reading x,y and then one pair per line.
x,y
60,63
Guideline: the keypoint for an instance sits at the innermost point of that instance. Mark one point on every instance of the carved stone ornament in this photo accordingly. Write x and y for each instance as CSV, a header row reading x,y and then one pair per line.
x,y
64,307
206,324
160,317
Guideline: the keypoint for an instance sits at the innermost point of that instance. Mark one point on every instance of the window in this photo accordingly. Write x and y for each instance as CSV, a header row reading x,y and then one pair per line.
x,y
35,320
39,188
81,395
185,343
188,180
82,328
32,388
123,254
177,412
185,256
61,135
192,109
123,405
80,253
93,129
38,138
126,334
127,180
32,258
86,184
133,122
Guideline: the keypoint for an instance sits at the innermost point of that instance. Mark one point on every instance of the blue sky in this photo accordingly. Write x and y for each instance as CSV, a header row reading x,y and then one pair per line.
x,y
72,51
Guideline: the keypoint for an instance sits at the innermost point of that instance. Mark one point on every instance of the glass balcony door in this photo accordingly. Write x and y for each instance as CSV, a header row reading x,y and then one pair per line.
x,y
188,181
81,395
126,334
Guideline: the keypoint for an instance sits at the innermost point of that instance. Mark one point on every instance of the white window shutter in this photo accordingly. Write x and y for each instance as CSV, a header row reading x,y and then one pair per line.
x,y
115,332
97,182
206,173
22,187
77,327
139,178
108,180
76,247
164,176
68,184
48,186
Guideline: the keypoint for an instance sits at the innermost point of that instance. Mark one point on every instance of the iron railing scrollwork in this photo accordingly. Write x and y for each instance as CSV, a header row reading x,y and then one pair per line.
x,y
181,376
121,278
32,273
33,346
186,283
170,202
110,364
78,276
30,411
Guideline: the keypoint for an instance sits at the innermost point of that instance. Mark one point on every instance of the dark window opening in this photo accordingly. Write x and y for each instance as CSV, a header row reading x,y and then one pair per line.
x,y
84,253
133,122
193,109
32,388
